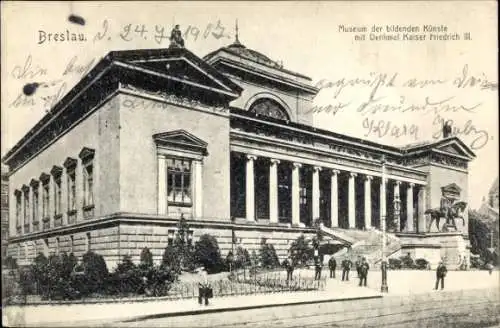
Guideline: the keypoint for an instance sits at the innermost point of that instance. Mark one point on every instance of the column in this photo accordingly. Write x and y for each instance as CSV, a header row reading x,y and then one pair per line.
x,y
198,189
397,213
315,193
368,201
383,210
422,224
162,185
334,201
352,200
32,206
409,208
295,194
273,191
250,189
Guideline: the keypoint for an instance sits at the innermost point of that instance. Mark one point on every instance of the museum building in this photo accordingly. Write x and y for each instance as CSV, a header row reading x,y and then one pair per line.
x,y
228,142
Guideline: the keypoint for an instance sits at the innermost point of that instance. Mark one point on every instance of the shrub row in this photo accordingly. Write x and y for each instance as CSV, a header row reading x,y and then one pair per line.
x,y
406,262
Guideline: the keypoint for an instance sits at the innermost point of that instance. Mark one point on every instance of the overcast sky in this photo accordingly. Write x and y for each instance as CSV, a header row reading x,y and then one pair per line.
x,y
306,38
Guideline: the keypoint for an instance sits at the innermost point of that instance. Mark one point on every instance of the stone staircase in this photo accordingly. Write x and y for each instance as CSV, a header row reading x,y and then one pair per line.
x,y
364,243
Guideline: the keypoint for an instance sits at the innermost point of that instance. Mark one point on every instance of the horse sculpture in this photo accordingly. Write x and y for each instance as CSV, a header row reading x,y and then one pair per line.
x,y
451,213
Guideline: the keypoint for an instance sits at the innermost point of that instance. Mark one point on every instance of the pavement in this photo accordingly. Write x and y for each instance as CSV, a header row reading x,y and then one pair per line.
x,y
400,283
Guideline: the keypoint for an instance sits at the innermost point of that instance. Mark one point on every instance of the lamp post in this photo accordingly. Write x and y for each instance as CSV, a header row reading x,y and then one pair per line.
x,y
383,288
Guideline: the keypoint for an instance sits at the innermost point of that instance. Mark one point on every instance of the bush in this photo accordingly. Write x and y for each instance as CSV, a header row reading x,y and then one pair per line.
x,y
95,274
476,262
268,256
146,257
421,264
10,263
171,259
395,264
301,251
242,258
207,253
407,262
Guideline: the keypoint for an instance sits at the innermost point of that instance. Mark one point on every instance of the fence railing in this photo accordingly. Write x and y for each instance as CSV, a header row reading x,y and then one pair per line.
x,y
241,283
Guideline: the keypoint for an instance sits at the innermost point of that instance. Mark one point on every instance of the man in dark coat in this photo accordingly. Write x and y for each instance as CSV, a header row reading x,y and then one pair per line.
x,y
317,267
363,272
358,266
289,268
440,274
346,267
332,264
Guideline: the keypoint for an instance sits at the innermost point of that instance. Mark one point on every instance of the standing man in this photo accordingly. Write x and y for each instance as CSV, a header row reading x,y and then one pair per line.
x,y
358,266
346,267
440,274
203,286
363,272
289,268
318,265
332,264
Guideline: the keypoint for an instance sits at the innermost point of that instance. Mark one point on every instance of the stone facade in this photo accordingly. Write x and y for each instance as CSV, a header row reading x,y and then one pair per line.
x,y
153,135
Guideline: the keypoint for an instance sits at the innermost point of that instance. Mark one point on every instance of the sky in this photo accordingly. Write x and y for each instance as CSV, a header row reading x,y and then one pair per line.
x,y
426,81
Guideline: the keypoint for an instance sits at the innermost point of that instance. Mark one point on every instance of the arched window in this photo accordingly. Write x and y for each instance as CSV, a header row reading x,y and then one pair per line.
x,y
269,107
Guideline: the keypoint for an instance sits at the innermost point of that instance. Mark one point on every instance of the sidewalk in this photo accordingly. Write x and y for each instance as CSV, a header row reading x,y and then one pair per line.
x,y
85,315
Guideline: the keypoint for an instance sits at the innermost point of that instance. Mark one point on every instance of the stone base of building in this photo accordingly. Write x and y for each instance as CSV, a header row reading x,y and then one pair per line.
x,y
451,247
128,234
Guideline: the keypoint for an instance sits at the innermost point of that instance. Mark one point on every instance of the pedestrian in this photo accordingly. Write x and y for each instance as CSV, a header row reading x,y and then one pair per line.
x,y
346,267
204,289
332,264
363,272
358,266
440,274
317,266
289,268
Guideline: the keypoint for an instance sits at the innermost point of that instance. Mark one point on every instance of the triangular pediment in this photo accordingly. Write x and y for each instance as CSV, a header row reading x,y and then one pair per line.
x,y
179,64
180,139
455,146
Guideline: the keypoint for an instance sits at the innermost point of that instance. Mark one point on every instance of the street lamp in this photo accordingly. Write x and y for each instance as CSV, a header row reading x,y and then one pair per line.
x,y
383,268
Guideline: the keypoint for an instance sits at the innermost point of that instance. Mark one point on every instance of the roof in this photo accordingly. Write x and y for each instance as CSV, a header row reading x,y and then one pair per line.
x,y
238,49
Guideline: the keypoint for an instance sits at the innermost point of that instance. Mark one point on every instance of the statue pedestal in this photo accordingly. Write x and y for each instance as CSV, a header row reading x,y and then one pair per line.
x,y
434,246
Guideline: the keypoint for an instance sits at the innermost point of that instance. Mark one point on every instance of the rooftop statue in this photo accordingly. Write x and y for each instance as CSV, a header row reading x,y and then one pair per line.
x,y
176,40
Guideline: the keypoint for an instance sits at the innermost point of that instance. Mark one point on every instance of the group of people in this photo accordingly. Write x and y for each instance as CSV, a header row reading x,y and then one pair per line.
x,y
362,268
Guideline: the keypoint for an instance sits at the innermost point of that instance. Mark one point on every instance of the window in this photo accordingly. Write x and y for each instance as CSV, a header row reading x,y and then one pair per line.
x,y
57,195
18,196
269,107
88,184
171,234
57,245
45,198
179,181
71,190
88,241
35,202
26,221
72,242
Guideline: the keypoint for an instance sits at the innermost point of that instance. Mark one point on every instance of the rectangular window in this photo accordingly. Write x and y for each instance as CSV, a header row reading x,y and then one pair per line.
x,y
88,242
35,204
45,199
71,190
88,184
26,207
57,195
18,208
179,181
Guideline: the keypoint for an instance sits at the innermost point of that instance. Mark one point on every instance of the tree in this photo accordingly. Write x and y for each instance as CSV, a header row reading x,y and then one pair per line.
x,y
268,256
183,245
301,251
480,234
172,259
207,253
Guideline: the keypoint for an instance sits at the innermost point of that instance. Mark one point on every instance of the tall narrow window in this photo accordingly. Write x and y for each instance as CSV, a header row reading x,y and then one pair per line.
x,y
26,220
70,165
45,180
88,241
87,157
36,204
18,196
57,178
179,181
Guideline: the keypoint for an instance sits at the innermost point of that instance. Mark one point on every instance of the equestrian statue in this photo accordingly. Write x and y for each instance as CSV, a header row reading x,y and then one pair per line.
x,y
449,211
